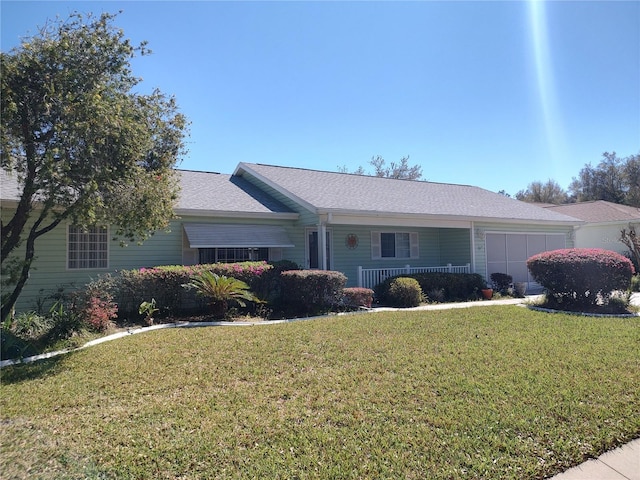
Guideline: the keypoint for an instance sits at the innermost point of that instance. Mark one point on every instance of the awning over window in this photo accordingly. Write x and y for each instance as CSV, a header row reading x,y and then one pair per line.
x,y
202,235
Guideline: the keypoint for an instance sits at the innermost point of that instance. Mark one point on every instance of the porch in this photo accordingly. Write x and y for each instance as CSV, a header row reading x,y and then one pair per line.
x,y
370,277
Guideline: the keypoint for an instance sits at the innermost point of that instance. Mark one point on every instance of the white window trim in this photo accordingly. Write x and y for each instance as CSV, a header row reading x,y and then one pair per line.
x,y
376,245
77,269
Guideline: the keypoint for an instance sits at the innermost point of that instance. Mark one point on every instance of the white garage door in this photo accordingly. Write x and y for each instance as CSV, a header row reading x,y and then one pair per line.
x,y
508,252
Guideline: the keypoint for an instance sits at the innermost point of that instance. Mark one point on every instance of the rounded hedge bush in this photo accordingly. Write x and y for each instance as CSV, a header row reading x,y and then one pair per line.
x,y
404,292
581,276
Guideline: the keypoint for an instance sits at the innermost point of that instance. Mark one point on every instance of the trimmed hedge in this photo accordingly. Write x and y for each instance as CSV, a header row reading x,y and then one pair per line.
x,y
311,292
454,286
355,297
581,276
165,284
404,292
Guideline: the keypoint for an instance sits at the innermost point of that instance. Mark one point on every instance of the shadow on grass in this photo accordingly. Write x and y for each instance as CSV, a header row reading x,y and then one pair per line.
x,y
29,371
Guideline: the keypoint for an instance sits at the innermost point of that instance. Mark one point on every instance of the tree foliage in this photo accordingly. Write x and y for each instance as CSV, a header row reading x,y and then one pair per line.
x,y
81,142
538,192
614,179
401,170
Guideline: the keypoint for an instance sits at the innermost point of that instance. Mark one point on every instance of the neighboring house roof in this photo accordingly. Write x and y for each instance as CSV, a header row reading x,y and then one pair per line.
x,y
324,192
598,211
203,193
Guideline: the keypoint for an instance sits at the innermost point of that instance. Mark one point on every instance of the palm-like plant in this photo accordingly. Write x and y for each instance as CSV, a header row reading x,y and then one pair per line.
x,y
220,290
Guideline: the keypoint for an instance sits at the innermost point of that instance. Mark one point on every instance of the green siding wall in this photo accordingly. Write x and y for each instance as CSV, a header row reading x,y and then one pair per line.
x,y
437,246
49,272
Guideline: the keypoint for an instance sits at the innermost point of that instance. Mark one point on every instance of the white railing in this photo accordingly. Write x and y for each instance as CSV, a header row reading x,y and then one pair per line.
x,y
370,277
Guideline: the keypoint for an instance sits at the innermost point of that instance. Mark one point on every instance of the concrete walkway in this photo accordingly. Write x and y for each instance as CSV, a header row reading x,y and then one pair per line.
x,y
620,464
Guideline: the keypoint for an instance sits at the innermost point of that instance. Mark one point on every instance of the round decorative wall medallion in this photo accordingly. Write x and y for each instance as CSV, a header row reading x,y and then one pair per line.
x,y
351,241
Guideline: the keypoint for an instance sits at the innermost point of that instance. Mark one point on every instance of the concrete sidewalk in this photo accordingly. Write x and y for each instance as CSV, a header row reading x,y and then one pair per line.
x,y
623,463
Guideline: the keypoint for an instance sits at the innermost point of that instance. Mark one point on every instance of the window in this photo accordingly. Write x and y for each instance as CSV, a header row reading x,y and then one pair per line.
x,y
87,248
232,255
394,245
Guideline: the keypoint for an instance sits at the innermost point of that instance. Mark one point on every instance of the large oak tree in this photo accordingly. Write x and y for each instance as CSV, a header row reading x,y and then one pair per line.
x,y
82,142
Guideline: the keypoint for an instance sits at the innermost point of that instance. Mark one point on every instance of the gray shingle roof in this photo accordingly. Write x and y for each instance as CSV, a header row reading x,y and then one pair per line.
x,y
200,192
219,192
598,211
330,191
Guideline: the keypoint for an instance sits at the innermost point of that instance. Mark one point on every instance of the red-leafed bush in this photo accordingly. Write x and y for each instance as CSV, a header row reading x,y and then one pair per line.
x,y
312,291
354,297
581,276
99,313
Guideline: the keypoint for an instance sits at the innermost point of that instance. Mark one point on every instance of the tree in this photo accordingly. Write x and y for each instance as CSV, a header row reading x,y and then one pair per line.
x,y
604,182
82,144
538,192
401,170
631,172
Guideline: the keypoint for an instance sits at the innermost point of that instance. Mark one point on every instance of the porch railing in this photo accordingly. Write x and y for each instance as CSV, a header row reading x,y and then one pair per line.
x,y
370,277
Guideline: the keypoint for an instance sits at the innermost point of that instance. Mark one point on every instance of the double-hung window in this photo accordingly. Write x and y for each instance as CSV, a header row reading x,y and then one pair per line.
x,y
394,245
87,248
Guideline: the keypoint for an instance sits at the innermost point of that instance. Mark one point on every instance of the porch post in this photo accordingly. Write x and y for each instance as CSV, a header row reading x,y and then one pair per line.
x,y
322,246
359,275
473,248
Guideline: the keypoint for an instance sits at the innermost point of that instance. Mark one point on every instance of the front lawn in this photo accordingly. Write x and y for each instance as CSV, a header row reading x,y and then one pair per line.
x,y
492,392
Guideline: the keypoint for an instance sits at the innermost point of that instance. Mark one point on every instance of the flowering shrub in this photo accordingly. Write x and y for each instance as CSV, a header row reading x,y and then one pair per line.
x,y
581,276
355,297
312,291
165,284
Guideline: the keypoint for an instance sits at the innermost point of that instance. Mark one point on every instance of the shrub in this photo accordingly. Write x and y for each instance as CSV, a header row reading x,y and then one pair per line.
x,y
581,276
404,292
436,295
219,290
635,283
94,304
29,326
454,286
311,291
354,297
501,281
12,346
98,313
268,286
164,283
66,322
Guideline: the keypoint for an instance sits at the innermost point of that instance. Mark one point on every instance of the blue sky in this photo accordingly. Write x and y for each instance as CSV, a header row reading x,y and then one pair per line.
x,y
494,94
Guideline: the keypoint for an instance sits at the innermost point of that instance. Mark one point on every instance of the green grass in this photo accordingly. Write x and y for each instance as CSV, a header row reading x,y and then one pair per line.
x,y
492,392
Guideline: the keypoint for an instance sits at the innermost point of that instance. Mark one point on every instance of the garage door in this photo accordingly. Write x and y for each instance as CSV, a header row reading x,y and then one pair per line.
x,y
508,252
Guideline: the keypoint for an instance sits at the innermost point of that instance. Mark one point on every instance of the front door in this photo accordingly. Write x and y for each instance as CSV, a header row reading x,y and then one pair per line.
x,y
313,247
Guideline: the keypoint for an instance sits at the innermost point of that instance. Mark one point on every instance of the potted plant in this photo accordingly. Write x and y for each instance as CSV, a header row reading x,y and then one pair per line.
x,y
487,292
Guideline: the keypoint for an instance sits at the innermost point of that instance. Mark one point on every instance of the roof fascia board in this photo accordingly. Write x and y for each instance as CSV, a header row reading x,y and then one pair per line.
x,y
612,223
413,217
244,168
227,214
397,221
